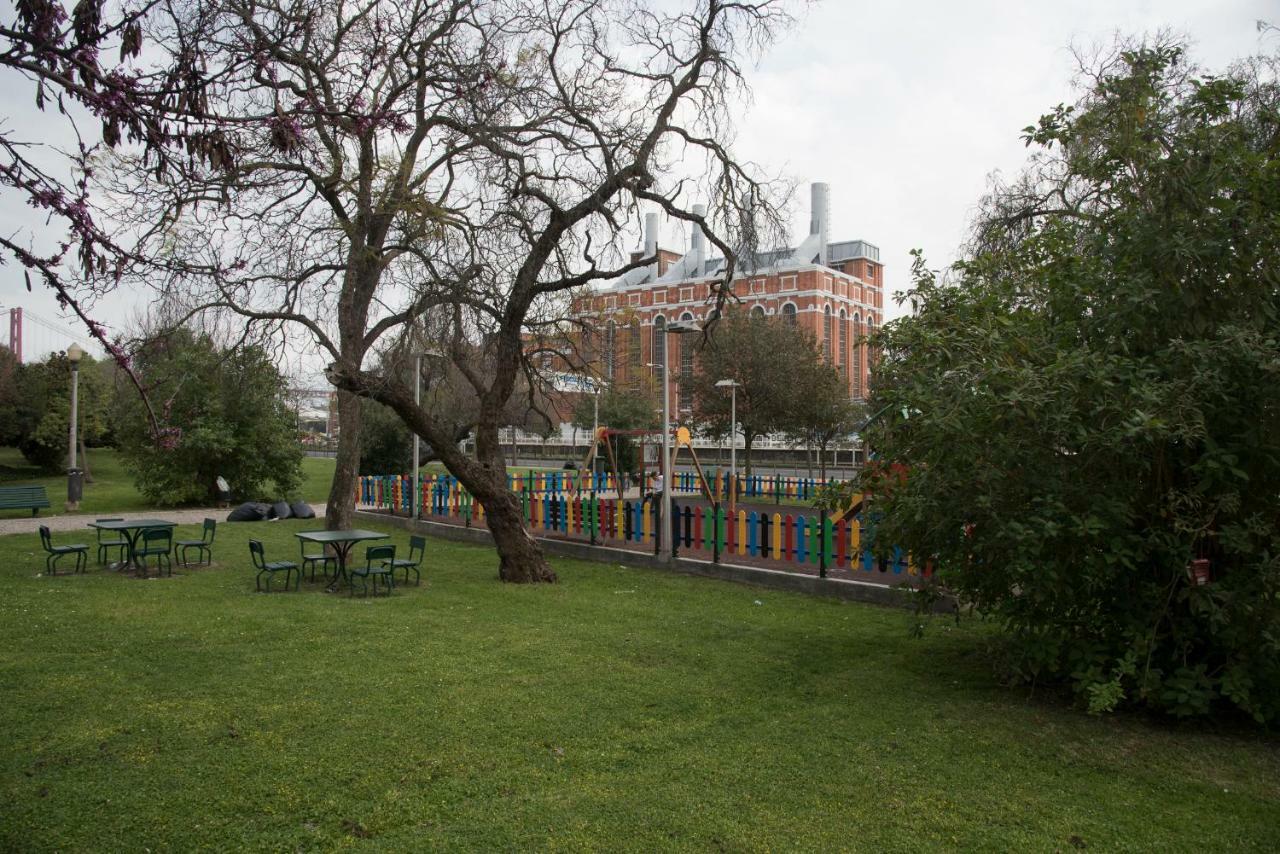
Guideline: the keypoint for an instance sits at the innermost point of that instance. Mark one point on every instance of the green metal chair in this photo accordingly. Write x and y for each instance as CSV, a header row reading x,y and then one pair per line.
x,y
105,546
203,546
54,553
269,569
417,546
157,543
322,558
384,556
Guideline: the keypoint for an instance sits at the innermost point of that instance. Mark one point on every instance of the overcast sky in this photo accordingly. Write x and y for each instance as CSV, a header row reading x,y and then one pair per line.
x,y
905,109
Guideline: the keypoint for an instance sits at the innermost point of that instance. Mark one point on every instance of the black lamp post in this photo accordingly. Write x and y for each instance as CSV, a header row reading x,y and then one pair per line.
x,y
75,477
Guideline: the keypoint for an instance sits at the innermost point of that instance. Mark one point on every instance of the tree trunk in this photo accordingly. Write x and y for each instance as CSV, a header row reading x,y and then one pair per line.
x,y
520,558
747,440
342,494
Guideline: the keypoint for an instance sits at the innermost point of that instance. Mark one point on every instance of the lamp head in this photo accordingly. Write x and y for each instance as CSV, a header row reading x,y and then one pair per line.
x,y
75,353
727,384
681,327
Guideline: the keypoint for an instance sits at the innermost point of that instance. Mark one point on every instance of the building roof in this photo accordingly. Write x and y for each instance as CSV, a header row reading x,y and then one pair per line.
x,y
814,249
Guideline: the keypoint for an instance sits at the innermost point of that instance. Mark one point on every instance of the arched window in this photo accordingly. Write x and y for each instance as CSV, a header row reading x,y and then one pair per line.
x,y
789,313
633,348
686,351
856,357
871,356
610,340
659,340
757,311
826,333
843,352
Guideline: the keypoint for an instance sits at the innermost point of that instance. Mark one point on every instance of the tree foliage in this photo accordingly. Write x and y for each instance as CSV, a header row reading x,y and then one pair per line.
x,y
1094,402
822,412
769,358
35,407
386,445
634,407
236,423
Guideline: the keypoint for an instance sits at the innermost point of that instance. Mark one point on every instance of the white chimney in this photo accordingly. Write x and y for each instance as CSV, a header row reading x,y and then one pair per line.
x,y
697,244
650,234
820,217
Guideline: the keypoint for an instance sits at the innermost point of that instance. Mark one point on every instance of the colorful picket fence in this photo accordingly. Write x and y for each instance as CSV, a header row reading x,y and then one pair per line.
x,y
396,490
811,541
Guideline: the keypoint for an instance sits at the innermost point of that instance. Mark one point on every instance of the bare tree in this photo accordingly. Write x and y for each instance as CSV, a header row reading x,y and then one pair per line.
x,y
356,167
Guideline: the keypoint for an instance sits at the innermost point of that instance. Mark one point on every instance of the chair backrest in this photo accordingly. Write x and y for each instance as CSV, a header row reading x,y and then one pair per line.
x,y
256,554
210,526
379,553
157,535
417,544
107,519
45,540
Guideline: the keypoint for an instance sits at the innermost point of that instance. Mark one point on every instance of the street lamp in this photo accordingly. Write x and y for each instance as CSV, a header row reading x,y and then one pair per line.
x,y
732,385
75,478
417,401
596,387
675,327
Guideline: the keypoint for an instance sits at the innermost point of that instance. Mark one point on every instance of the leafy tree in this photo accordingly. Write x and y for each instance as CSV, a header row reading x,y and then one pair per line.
x,y
766,356
1094,402
823,410
386,445
632,407
36,404
236,423
10,423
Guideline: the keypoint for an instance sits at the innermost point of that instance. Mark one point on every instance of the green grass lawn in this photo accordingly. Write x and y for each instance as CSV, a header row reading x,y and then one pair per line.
x,y
112,489
621,709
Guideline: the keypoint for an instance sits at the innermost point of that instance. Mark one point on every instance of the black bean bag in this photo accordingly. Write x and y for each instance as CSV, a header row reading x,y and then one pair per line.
x,y
302,510
280,510
250,511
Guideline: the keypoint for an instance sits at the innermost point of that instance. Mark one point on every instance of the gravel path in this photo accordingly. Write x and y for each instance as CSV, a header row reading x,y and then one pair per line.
x,y
29,525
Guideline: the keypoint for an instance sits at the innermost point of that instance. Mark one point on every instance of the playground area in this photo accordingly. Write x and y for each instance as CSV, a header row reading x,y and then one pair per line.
x,y
759,531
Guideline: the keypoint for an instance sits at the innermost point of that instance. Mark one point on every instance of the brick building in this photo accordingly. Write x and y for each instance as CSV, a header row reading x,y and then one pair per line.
x,y
833,290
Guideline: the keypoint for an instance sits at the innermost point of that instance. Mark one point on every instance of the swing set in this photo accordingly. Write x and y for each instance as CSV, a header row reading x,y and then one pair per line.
x,y
682,439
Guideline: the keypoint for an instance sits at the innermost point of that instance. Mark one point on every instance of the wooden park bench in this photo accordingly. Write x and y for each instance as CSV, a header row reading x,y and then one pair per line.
x,y
17,497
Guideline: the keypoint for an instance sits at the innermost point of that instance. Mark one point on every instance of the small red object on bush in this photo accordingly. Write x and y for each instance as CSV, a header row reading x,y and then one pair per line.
x,y
1199,572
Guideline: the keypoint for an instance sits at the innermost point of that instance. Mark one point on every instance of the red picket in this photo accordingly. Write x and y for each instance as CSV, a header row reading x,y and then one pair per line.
x,y
840,542
788,537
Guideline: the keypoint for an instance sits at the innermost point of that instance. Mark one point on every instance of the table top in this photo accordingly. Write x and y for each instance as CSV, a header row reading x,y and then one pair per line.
x,y
136,523
339,536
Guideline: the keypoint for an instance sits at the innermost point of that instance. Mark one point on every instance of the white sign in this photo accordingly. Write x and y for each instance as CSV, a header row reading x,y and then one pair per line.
x,y
580,383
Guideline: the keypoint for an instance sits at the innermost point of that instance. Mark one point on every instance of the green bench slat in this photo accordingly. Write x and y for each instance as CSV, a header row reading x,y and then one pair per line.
x,y
23,497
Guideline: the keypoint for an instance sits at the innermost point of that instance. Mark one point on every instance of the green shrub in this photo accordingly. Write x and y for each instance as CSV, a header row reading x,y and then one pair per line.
x,y
1094,401
224,414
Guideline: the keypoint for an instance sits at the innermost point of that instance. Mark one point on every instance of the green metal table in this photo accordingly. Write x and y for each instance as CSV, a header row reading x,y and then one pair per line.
x,y
132,530
341,542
